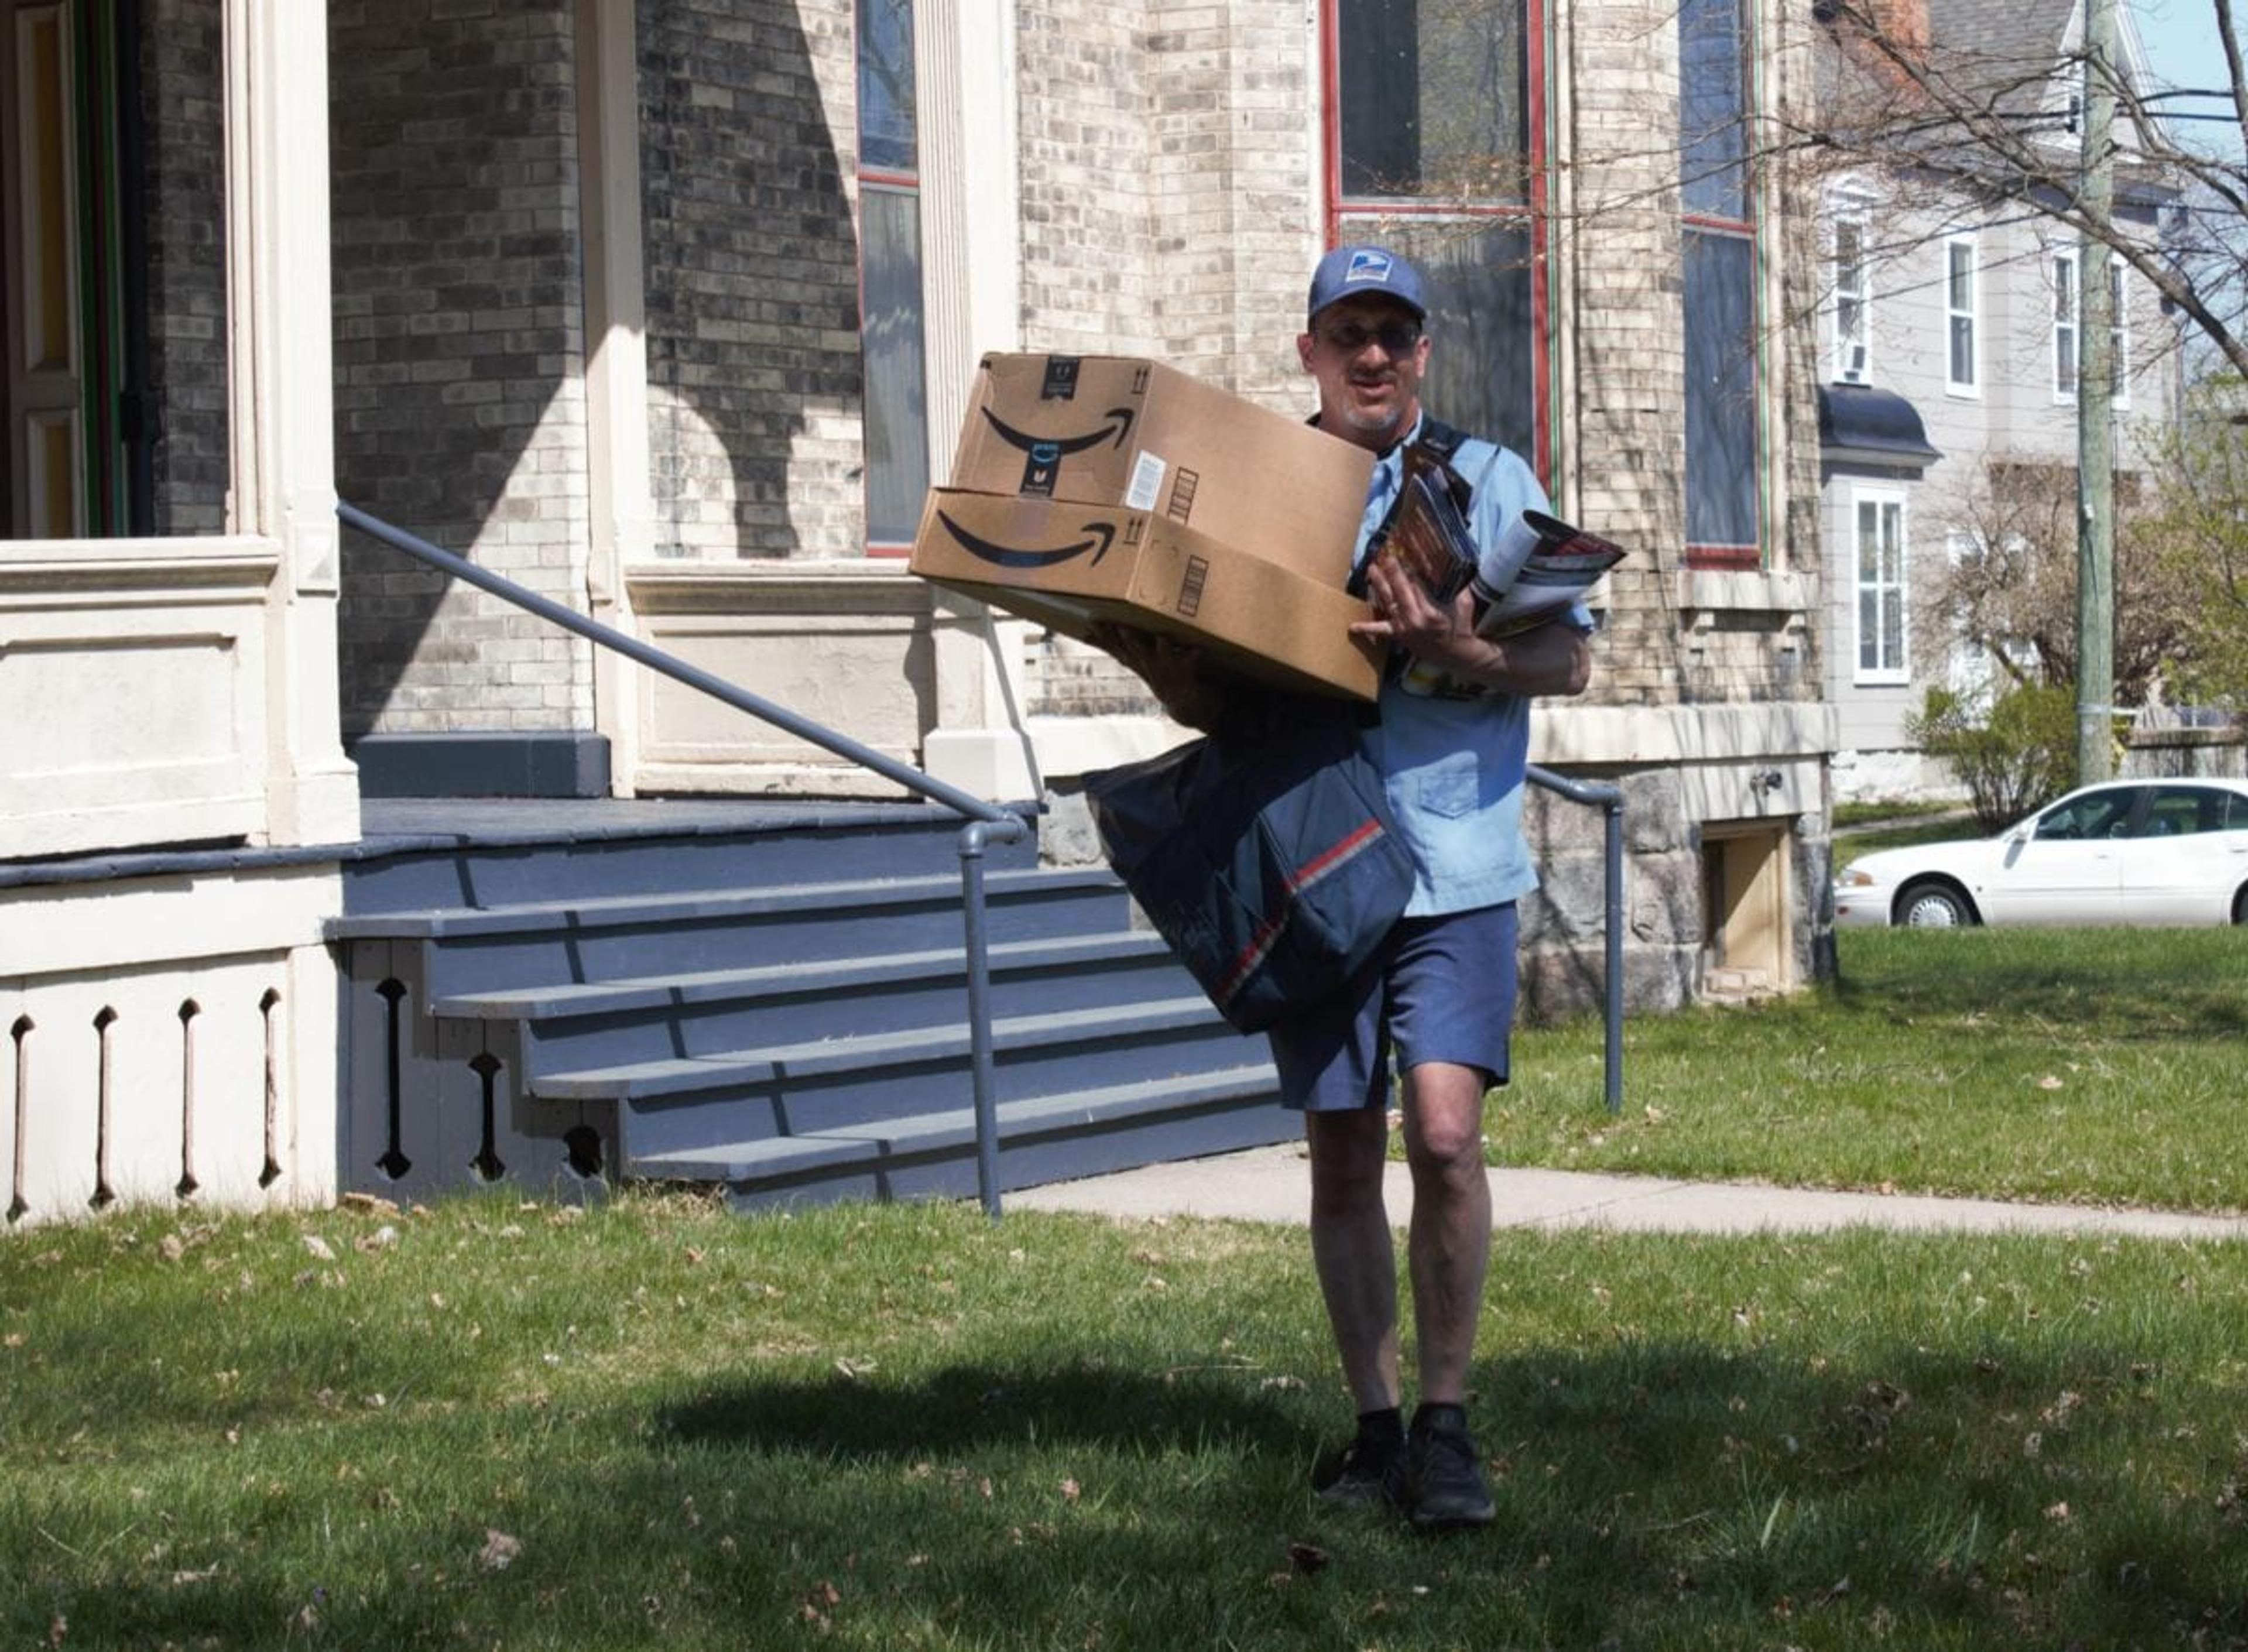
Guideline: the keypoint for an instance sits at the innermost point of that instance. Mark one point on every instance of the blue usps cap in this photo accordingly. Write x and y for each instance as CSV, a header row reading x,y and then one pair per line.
x,y
1350,272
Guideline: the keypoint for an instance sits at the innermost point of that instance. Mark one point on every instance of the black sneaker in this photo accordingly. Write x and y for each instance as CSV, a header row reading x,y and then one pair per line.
x,y
1364,1471
1442,1487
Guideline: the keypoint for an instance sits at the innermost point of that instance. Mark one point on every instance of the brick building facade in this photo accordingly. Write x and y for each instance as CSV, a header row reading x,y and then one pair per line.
x,y
1162,179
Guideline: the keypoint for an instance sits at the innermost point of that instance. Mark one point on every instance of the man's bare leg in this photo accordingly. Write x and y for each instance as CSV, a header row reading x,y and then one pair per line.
x,y
1352,1249
1448,1246
1441,1485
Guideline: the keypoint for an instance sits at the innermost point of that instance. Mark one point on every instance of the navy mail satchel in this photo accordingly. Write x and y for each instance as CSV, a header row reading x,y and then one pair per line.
x,y
1265,855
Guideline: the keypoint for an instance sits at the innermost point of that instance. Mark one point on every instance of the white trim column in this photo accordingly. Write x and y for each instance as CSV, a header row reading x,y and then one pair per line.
x,y
622,514
971,283
283,401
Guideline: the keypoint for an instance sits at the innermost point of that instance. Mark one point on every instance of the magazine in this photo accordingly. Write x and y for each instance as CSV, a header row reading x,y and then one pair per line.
x,y
1540,565
1429,537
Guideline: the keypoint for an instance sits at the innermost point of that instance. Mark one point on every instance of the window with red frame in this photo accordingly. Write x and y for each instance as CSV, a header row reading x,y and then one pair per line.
x,y
1434,149
1718,239
895,397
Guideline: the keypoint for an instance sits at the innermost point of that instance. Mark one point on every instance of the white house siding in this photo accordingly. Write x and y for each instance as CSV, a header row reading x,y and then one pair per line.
x,y
170,1022
2015,417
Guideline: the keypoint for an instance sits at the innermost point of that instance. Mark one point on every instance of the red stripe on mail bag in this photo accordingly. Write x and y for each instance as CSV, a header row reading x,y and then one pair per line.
x,y
1260,944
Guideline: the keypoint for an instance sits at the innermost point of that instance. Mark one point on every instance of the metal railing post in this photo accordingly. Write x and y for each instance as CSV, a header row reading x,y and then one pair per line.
x,y
1609,799
972,839
1615,982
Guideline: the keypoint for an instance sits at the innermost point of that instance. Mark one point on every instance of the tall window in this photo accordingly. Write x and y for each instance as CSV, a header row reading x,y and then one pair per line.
x,y
895,393
1718,237
1880,546
2068,327
1854,300
1434,150
1962,317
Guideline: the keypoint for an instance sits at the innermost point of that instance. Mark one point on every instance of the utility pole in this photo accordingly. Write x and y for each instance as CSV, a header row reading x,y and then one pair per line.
x,y
2095,411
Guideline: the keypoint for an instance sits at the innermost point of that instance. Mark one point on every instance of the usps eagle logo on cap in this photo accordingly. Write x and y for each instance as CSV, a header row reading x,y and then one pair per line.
x,y
1369,264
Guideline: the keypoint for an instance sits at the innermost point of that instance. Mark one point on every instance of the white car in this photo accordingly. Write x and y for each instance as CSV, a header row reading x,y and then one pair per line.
x,y
2138,852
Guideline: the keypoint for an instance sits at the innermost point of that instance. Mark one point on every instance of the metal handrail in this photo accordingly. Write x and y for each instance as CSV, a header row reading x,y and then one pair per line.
x,y
987,822
1609,799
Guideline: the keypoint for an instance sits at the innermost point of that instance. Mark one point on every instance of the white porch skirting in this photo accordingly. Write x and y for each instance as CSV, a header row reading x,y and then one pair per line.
x,y
169,1041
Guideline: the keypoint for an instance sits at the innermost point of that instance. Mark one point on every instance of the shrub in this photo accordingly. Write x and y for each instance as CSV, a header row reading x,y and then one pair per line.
x,y
2020,757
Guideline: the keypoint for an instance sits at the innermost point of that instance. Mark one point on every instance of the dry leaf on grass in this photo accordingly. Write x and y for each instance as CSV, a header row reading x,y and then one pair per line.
x,y
499,1551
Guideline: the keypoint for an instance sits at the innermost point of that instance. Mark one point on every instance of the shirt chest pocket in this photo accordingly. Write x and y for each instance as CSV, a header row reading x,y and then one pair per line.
x,y
1449,787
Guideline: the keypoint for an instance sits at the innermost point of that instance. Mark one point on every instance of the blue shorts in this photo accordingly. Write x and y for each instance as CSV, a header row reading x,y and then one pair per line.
x,y
1440,988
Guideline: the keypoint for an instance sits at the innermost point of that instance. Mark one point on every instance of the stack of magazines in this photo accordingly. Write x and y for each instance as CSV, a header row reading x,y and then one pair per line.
x,y
1538,565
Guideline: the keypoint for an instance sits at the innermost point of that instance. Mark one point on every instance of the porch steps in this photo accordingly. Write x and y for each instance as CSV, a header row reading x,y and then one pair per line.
x,y
801,1035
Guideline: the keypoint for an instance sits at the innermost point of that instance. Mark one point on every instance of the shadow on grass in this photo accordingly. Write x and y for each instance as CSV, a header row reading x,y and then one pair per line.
x,y
1650,1484
1652,1494
963,1407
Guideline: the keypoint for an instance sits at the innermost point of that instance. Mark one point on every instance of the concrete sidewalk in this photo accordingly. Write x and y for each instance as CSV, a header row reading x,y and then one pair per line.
x,y
1270,1184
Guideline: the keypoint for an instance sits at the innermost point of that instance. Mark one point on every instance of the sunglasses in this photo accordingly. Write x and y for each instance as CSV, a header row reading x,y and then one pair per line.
x,y
1350,336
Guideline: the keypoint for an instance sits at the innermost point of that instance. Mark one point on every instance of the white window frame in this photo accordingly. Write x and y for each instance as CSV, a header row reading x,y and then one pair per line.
x,y
1852,354
2072,325
1971,313
1893,653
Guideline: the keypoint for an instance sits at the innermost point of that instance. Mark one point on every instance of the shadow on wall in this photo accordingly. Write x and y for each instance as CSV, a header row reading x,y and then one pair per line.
x,y
752,278
459,324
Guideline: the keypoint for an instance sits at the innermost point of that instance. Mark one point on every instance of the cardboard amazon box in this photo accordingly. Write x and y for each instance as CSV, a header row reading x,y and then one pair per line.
x,y
1071,565
1120,431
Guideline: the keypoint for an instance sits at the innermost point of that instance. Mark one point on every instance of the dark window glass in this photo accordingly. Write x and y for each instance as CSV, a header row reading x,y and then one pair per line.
x,y
1722,418
887,124
2102,814
896,404
1433,100
1482,365
1712,109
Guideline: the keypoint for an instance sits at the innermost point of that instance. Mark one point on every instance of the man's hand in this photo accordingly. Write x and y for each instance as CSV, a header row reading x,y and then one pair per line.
x,y
1404,616
1551,659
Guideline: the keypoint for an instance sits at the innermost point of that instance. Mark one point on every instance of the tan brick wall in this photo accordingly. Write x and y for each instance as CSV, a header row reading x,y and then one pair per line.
x,y
749,161
460,390
184,198
1624,431
1165,162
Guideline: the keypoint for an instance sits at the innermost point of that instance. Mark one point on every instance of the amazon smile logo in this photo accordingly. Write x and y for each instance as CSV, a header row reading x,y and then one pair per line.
x,y
1099,536
1115,425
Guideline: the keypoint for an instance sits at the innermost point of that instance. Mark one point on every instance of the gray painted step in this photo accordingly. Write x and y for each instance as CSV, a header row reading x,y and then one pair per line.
x,y
546,944
778,1007
647,1018
933,1154
653,1080
449,853
818,1088
955,1129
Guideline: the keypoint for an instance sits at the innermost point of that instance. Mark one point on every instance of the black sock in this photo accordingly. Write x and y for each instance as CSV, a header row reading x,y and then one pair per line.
x,y
1440,1419
1385,1424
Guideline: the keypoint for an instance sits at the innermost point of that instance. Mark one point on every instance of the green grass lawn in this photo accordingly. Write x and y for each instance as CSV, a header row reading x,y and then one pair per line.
x,y
657,1425
493,1424
2088,1065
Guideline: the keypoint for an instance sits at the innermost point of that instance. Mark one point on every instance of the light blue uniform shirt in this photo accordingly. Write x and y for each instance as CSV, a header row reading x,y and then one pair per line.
x,y
1453,767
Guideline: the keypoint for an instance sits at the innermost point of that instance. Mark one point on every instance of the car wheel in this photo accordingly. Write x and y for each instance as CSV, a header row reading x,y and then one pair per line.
x,y
1934,906
2240,905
